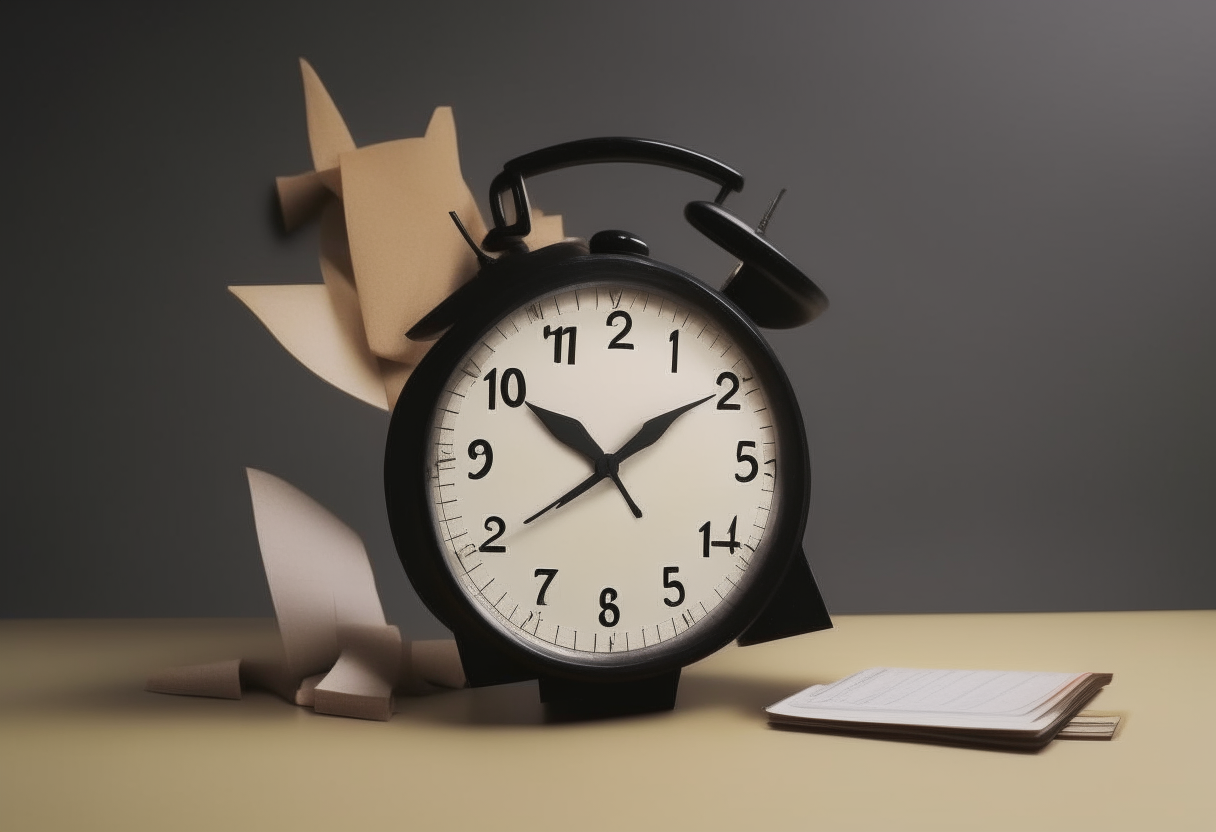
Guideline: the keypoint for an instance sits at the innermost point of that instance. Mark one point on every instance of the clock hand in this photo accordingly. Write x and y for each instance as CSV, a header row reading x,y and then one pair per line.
x,y
653,429
569,495
571,433
606,465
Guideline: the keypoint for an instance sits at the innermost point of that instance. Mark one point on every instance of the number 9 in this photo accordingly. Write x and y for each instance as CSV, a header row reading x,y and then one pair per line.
x,y
480,447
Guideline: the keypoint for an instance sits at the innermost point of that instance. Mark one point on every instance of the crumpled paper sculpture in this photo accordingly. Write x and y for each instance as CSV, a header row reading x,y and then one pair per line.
x,y
339,656
389,251
389,254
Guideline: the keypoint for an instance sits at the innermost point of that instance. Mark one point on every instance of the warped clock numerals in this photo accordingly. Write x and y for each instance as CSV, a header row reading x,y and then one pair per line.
x,y
729,543
610,613
560,335
666,408
598,472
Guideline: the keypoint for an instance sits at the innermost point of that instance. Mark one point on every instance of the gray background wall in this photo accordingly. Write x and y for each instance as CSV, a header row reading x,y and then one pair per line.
x,y
1011,206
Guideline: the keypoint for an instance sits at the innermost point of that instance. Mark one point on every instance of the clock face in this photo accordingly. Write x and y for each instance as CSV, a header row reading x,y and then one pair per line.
x,y
603,473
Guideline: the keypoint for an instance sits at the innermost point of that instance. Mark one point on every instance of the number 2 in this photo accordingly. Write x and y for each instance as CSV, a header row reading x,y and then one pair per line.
x,y
725,403
618,342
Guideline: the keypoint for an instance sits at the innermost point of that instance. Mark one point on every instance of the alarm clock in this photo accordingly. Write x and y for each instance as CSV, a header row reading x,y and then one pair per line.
x,y
599,473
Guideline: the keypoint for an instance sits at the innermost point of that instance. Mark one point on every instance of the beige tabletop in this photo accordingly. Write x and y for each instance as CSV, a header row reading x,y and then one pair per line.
x,y
83,747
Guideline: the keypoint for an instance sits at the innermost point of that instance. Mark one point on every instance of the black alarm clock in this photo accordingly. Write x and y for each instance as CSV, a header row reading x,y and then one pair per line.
x,y
599,473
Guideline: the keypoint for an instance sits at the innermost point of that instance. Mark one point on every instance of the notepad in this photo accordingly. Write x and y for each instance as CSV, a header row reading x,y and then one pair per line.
x,y
993,708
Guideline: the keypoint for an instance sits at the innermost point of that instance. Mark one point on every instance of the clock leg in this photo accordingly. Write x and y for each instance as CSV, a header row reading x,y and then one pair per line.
x,y
568,699
796,607
483,665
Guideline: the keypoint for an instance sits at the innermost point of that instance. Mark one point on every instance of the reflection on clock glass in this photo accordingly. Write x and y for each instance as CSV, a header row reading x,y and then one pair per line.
x,y
602,472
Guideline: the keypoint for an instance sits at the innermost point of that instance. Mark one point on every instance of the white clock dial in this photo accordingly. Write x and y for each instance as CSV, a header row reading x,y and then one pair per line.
x,y
578,554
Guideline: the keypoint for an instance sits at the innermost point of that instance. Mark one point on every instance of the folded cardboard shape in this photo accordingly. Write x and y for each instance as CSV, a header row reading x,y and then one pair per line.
x,y
389,250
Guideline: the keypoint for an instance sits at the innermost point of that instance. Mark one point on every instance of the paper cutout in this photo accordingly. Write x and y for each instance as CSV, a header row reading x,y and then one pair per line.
x,y
389,253
318,572
386,230
218,680
407,253
300,197
362,681
328,136
338,654
304,320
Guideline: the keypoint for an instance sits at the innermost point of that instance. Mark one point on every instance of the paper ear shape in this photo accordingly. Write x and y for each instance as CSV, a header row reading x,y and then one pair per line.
x,y
407,254
395,257
328,136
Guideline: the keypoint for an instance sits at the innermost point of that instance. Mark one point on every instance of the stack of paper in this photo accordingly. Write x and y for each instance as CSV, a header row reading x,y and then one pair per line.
x,y
975,707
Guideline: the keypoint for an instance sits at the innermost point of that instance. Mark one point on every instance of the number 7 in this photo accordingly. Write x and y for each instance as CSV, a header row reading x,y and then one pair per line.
x,y
549,574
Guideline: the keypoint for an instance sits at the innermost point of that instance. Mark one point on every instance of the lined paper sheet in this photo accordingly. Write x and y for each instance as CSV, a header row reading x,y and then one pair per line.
x,y
989,692
913,700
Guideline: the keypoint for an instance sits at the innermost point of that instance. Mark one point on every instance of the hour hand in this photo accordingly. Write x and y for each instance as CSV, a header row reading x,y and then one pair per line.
x,y
569,431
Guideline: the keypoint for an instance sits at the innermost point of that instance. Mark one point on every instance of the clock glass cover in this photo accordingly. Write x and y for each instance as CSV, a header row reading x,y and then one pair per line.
x,y
603,472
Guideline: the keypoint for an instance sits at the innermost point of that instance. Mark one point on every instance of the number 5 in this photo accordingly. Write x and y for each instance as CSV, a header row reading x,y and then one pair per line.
x,y
668,583
749,459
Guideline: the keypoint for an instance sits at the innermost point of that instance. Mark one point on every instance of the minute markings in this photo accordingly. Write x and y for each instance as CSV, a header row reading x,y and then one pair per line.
x,y
478,504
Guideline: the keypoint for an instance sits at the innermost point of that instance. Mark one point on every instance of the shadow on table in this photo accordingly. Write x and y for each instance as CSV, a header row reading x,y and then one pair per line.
x,y
519,704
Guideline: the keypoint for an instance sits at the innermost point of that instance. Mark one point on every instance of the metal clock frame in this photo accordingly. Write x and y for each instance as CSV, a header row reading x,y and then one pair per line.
x,y
411,433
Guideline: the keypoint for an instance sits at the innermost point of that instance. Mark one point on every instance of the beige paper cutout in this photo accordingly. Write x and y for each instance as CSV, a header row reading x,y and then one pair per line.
x,y
396,246
304,319
300,198
318,572
395,376
436,663
328,136
219,680
338,655
408,255
361,682
546,230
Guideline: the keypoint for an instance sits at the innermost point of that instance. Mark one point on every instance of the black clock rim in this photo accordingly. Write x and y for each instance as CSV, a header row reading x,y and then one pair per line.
x,y
410,431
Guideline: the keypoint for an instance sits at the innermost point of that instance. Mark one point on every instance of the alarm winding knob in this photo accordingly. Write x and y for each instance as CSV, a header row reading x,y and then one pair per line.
x,y
618,242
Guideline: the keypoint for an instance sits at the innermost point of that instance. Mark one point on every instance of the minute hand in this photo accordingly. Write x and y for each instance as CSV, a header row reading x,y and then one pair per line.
x,y
647,435
653,429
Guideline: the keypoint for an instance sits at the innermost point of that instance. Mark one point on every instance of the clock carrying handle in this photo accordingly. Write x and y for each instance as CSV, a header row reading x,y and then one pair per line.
x,y
506,235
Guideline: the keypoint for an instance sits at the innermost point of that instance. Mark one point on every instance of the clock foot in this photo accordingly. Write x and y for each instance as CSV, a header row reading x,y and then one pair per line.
x,y
796,608
483,665
566,699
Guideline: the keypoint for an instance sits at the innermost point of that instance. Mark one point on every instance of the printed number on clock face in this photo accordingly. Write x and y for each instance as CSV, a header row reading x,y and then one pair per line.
x,y
603,469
